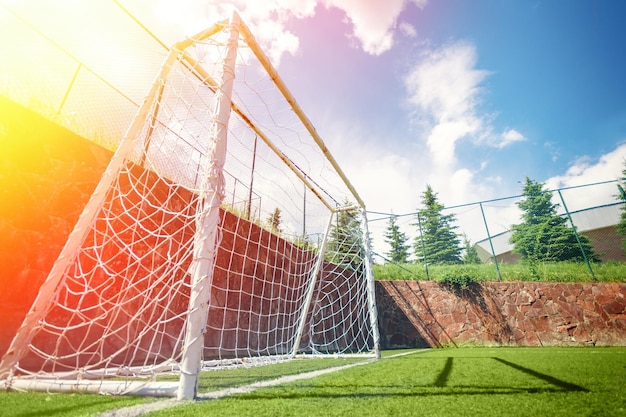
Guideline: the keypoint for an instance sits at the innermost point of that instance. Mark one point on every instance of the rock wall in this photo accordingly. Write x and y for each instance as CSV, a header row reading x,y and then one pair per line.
x,y
427,314
47,175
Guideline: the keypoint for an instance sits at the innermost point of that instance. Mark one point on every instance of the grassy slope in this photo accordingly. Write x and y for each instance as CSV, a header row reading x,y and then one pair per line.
x,y
545,272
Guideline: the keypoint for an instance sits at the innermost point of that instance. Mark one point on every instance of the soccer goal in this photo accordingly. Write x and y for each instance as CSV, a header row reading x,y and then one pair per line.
x,y
222,233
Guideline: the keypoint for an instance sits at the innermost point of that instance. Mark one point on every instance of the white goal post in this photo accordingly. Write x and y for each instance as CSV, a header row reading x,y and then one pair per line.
x,y
222,233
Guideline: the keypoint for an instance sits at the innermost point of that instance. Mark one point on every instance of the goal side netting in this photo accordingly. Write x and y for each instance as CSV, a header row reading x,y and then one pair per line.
x,y
222,233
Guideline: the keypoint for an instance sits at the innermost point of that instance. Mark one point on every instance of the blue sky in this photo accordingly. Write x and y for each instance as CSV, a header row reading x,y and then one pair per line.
x,y
467,96
551,72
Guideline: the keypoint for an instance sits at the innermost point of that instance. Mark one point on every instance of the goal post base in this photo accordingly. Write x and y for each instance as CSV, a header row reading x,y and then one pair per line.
x,y
107,387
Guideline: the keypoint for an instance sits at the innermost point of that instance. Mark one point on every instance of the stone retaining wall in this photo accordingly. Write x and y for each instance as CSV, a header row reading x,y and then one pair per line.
x,y
43,195
47,175
427,314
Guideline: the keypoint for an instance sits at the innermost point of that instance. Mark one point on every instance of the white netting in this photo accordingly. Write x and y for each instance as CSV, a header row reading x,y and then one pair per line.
x,y
290,274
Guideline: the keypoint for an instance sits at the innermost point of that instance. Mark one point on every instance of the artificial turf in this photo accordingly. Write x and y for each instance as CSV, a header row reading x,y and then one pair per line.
x,y
468,381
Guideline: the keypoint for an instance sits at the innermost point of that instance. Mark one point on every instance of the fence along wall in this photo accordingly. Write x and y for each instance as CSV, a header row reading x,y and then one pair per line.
x,y
594,211
598,223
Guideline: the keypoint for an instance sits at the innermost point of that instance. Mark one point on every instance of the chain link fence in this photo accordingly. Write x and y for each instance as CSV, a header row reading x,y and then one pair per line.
x,y
94,83
592,211
89,73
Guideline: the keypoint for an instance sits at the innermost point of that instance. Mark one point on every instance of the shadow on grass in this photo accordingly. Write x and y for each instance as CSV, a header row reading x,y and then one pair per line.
x,y
442,378
440,387
462,390
566,386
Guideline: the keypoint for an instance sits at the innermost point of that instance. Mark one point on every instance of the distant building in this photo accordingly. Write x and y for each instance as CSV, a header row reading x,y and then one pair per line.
x,y
597,223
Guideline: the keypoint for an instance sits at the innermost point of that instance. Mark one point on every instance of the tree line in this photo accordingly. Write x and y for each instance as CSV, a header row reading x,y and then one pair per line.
x,y
541,236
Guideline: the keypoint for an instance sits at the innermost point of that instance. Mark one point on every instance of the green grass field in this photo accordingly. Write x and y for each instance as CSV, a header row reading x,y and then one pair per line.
x,y
440,382
609,271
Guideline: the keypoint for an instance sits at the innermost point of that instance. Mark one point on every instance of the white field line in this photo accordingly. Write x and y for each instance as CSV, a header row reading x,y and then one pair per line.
x,y
140,409
137,410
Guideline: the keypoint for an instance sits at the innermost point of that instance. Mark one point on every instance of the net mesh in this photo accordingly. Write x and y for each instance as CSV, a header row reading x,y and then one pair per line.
x,y
291,269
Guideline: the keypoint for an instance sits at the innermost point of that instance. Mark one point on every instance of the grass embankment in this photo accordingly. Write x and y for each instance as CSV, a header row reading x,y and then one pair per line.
x,y
544,272
443,382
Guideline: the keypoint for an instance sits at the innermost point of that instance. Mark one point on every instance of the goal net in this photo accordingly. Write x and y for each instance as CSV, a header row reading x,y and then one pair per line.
x,y
222,232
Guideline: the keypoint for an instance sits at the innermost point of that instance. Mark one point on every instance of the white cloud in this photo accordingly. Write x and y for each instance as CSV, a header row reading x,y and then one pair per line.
x,y
278,41
444,92
373,21
407,29
172,21
443,137
444,84
510,136
585,171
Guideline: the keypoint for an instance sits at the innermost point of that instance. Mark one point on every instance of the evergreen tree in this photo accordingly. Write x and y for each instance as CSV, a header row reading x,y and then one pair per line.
x,y
621,226
543,235
438,242
345,242
399,251
471,255
274,221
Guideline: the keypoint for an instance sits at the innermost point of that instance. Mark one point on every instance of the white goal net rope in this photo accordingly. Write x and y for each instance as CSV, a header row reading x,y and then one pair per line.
x,y
288,259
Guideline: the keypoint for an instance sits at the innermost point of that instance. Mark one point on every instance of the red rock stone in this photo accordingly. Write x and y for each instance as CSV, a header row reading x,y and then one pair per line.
x,y
615,306
529,314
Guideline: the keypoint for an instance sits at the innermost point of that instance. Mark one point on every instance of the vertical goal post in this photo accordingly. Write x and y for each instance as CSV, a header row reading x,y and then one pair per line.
x,y
171,268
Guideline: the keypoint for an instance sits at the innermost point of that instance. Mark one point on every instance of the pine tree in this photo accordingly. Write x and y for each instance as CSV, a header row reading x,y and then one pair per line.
x,y
274,221
346,238
471,255
399,251
543,235
437,241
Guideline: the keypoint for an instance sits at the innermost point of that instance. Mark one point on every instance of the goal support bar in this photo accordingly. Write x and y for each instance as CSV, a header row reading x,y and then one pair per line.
x,y
311,289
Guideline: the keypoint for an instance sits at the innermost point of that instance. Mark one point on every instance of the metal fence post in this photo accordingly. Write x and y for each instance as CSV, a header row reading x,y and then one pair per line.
x,y
493,252
580,245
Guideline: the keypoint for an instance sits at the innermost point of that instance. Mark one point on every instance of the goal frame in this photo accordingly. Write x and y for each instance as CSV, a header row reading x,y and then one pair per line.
x,y
206,240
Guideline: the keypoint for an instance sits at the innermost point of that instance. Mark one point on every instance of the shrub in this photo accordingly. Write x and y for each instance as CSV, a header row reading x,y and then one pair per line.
x,y
459,278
